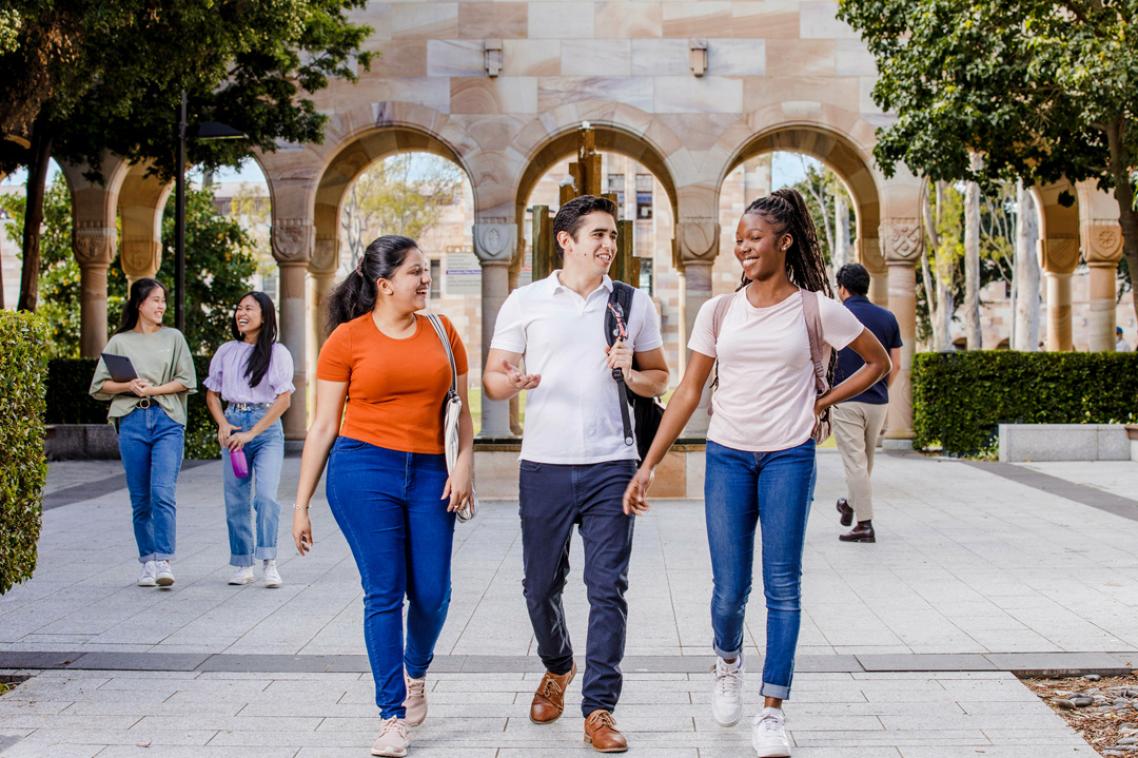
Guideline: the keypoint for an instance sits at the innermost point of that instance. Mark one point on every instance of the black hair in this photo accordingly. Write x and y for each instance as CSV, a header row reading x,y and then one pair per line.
x,y
804,264
571,215
854,277
258,364
356,295
139,291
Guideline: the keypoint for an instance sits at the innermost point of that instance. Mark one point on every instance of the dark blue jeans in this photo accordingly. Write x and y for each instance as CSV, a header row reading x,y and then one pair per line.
x,y
552,499
389,505
151,445
772,490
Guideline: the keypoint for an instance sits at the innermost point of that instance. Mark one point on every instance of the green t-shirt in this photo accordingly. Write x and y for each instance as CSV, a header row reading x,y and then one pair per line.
x,y
160,357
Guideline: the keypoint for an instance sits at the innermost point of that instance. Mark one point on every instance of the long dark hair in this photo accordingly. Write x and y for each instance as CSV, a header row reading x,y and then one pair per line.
x,y
139,291
804,264
262,355
356,295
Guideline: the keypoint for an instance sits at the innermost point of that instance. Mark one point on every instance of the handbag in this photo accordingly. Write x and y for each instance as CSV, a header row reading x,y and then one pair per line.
x,y
452,410
646,411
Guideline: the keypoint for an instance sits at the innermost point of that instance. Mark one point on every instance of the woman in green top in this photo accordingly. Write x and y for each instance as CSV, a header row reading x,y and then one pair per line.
x,y
150,412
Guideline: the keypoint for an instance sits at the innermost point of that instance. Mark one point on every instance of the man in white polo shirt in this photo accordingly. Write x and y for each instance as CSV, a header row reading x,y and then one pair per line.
x,y
575,461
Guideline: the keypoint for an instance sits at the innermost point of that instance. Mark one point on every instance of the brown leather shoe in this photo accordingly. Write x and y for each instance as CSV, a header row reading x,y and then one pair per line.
x,y
846,510
863,532
549,700
602,734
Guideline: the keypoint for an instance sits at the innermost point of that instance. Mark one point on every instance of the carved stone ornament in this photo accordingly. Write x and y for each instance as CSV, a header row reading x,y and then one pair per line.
x,y
902,239
494,242
140,257
1059,255
324,257
698,239
292,240
94,245
1103,243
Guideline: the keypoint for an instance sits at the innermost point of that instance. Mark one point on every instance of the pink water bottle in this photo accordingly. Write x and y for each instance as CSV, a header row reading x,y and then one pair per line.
x,y
240,465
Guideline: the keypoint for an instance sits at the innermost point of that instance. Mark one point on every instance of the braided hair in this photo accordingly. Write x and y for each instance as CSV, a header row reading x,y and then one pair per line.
x,y
805,266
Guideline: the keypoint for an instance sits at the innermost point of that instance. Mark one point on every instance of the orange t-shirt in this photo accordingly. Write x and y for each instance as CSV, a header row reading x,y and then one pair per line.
x,y
396,387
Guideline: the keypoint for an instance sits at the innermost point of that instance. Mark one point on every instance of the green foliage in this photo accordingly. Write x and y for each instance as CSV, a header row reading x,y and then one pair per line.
x,y
68,403
821,188
23,467
959,399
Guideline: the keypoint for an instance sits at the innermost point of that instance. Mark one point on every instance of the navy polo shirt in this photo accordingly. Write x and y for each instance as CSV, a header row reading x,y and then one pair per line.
x,y
884,326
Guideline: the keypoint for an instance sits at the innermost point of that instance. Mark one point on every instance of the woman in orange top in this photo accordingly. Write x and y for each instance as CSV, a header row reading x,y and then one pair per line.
x,y
387,481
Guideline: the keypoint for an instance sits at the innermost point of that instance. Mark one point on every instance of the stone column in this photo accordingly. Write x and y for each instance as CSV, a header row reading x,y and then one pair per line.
x,y
1059,256
322,268
94,247
903,243
292,240
1102,249
495,244
696,245
869,255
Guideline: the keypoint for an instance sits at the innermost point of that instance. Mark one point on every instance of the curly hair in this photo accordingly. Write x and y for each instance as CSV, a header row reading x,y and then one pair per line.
x,y
805,266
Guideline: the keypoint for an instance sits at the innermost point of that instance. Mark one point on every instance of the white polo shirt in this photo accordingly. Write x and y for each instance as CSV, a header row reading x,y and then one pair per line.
x,y
573,416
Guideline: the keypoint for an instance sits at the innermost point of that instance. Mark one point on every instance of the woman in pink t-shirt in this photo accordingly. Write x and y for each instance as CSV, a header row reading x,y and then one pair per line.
x,y
760,446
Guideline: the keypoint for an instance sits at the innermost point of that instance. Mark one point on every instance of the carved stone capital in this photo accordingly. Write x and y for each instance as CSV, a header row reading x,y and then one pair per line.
x,y
293,240
496,242
93,243
902,240
1102,243
697,240
869,254
1059,255
325,258
140,257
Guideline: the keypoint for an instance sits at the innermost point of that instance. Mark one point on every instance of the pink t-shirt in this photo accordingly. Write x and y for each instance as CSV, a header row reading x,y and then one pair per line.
x,y
765,399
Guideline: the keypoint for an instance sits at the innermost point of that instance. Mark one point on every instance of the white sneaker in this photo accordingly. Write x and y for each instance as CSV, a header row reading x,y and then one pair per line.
x,y
165,573
768,734
149,575
727,695
416,702
393,739
243,575
272,576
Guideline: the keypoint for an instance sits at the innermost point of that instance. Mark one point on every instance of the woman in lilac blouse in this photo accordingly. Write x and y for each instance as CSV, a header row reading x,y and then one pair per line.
x,y
253,375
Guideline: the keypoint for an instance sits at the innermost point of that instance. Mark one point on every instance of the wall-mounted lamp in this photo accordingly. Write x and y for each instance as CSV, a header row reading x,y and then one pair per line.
x,y
492,57
697,56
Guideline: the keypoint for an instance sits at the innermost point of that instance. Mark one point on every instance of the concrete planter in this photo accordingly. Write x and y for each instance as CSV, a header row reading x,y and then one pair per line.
x,y
81,441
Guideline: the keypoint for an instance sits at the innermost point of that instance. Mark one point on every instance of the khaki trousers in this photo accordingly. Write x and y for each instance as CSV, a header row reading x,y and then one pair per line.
x,y
856,429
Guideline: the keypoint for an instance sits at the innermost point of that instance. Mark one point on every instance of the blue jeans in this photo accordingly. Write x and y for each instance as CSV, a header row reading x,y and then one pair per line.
x,y
772,490
151,445
389,505
265,455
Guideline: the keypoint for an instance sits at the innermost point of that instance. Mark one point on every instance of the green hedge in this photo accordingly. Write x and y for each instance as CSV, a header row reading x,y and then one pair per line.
x,y
68,403
23,466
959,399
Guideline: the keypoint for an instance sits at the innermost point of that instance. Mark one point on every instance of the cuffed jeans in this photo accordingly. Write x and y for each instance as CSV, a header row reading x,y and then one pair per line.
x,y
265,455
151,445
856,429
389,505
552,498
772,490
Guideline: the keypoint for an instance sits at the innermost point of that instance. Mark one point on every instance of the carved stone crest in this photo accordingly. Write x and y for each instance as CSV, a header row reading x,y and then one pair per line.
x,y
292,239
494,242
902,239
140,257
324,255
93,244
698,239
1103,243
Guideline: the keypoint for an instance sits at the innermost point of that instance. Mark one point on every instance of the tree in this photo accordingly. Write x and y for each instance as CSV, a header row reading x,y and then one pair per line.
x,y
123,70
1038,89
831,207
943,217
403,194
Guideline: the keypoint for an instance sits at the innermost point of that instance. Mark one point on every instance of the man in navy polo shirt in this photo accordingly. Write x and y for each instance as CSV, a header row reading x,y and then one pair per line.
x,y
857,422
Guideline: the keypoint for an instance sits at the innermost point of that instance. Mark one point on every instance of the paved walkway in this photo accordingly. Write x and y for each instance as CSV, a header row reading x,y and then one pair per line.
x,y
905,647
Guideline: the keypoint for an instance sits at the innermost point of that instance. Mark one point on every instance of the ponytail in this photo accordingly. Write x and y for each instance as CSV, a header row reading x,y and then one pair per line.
x,y
356,295
805,266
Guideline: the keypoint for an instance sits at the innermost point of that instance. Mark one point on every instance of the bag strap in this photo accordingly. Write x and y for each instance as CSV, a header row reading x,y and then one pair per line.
x,y
722,305
819,349
441,331
622,302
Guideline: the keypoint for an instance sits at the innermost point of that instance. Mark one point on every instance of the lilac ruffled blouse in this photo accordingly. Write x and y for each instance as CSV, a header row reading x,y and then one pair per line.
x,y
227,374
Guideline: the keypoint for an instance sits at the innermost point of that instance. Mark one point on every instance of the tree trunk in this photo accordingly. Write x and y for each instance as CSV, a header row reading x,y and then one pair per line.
x,y
933,291
841,232
1026,277
1124,194
33,219
972,331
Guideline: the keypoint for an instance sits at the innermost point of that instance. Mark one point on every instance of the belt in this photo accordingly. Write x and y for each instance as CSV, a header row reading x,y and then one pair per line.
x,y
247,406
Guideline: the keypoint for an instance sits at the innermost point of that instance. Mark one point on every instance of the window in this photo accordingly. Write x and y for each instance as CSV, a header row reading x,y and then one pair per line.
x,y
616,187
644,196
436,278
646,275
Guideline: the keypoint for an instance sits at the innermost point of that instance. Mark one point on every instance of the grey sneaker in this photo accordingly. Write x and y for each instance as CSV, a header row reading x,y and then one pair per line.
x,y
243,575
165,573
149,575
393,739
727,696
768,734
416,702
272,576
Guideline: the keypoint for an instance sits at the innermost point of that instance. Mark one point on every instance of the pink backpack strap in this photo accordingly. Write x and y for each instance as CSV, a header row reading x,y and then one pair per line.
x,y
722,305
819,349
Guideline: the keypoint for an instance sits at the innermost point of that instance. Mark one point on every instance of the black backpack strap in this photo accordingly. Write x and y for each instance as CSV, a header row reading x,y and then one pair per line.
x,y
620,299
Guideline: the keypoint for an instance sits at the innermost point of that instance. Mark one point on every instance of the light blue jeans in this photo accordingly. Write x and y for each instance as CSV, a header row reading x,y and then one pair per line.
x,y
771,490
151,445
255,495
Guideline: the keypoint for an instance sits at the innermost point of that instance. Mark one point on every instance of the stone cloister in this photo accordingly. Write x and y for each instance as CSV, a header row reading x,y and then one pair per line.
x,y
690,90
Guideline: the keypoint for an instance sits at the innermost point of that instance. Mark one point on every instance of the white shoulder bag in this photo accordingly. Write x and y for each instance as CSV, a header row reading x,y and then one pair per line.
x,y
452,409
